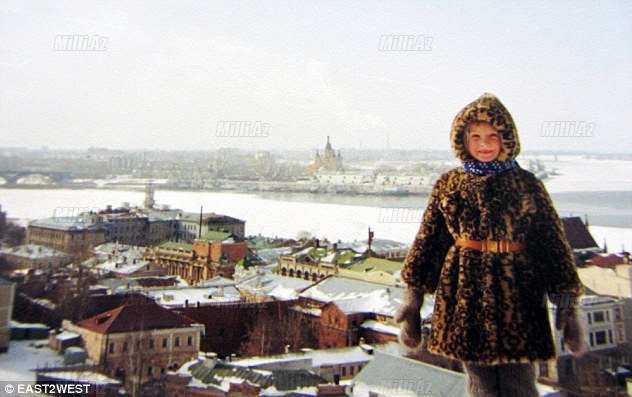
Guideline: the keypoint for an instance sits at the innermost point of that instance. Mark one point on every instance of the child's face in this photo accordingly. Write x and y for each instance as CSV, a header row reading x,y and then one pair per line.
x,y
483,142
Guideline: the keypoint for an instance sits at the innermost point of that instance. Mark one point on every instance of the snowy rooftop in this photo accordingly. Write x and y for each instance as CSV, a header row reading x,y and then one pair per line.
x,y
377,245
279,287
81,376
118,266
180,297
355,296
325,357
33,251
66,223
23,357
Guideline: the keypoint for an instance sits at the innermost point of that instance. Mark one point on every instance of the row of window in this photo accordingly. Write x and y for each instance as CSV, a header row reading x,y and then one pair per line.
x,y
151,344
598,317
352,369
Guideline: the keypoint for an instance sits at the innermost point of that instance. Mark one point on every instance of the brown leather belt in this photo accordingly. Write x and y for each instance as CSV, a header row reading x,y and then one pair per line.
x,y
489,245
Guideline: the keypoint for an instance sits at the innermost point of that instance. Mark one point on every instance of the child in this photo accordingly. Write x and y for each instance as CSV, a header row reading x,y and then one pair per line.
x,y
491,246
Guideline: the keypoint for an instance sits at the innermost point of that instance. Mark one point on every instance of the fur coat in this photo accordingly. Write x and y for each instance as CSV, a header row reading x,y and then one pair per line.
x,y
491,307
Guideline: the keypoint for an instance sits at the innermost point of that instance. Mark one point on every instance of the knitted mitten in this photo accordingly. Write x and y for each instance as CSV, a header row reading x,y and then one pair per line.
x,y
567,320
410,317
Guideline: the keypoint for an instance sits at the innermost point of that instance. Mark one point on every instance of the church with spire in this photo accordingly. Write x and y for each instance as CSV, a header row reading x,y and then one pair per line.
x,y
327,161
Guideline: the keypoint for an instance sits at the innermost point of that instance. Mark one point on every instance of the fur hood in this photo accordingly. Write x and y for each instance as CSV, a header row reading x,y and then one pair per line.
x,y
486,108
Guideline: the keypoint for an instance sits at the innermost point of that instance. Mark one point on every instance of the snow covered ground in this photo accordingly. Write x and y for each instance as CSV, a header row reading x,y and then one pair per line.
x,y
19,363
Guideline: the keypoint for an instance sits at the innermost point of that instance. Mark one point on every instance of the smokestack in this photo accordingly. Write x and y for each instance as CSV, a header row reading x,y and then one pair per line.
x,y
200,231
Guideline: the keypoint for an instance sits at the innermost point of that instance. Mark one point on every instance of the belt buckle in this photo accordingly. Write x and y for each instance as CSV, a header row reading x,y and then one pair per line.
x,y
491,245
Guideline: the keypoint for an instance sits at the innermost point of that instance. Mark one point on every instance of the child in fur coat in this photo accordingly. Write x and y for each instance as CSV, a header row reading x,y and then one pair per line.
x,y
491,246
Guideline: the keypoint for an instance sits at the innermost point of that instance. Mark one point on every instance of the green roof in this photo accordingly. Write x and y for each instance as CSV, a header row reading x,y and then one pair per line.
x,y
214,235
284,380
376,264
177,245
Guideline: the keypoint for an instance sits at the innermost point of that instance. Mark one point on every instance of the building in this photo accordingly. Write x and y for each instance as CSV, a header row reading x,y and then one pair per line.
x,y
209,376
578,236
75,236
34,257
137,343
335,365
192,226
607,322
389,375
327,161
344,311
615,281
215,254
376,270
343,178
7,292
315,263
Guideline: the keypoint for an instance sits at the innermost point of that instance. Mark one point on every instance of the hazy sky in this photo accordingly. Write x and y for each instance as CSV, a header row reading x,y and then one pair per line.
x,y
170,71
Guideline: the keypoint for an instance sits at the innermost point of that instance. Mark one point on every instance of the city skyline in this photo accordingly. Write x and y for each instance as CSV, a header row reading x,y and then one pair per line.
x,y
130,75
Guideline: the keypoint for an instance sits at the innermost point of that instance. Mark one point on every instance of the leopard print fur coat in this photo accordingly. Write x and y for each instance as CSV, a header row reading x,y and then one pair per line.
x,y
490,307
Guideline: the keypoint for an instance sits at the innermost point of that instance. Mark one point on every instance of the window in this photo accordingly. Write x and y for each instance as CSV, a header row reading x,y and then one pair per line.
x,y
344,371
589,319
137,345
600,337
150,370
189,341
164,343
610,335
177,341
598,317
152,343
351,370
111,348
125,345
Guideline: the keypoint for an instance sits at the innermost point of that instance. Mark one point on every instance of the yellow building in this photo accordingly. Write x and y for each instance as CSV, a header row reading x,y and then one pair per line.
x,y
327,161
139,342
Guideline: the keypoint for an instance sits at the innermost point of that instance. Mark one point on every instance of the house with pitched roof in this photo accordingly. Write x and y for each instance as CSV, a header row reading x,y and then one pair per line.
x,y
137,343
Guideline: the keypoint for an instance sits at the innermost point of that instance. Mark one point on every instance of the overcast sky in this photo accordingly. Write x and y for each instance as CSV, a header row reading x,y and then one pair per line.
x,y
170,71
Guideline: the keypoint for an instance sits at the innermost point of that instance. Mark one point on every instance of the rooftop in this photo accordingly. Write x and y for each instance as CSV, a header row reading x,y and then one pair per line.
x,y
133,318
577,234
33,251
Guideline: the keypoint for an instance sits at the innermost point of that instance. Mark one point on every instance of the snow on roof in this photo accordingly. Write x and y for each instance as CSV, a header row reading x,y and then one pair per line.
x,y
312,311
272,254
377,245
17,363
380,327
324,357
82,376
33,251
218,281
392,375
66,335
329,258
384,302
17,324
122,268
179,297
266,283
355,296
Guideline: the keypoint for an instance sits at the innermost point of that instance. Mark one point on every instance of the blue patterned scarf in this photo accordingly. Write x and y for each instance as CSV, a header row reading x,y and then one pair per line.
x,y
491,167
